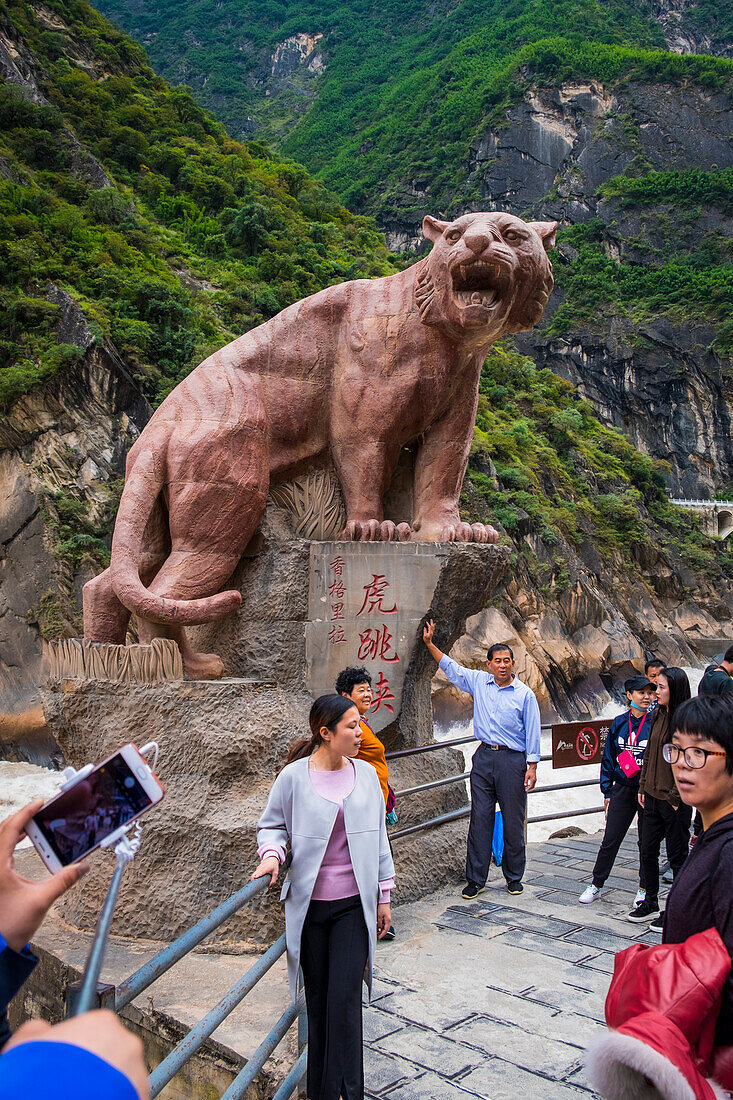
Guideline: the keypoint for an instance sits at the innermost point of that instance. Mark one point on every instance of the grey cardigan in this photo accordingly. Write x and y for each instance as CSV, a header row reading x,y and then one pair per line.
x,y
296,812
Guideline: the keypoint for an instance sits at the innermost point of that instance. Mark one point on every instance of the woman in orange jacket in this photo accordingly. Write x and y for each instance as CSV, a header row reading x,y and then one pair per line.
x,y
356,685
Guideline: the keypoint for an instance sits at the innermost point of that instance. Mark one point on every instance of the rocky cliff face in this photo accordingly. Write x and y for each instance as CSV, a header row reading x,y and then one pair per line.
x,y
685,29
658,378
62,454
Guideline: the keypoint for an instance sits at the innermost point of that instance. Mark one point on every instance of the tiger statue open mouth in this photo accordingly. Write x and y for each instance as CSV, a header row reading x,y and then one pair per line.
x,y
486,271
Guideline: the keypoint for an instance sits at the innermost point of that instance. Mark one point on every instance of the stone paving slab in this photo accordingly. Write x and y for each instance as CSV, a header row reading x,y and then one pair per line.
x,y
500,1080
544,945
498,998
429,1050
384,1071
429,1086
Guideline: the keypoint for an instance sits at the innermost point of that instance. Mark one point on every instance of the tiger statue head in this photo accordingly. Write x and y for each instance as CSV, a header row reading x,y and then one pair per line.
x,y
487,274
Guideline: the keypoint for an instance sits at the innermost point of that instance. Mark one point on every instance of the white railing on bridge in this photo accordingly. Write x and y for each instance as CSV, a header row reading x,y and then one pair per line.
x,y
684,503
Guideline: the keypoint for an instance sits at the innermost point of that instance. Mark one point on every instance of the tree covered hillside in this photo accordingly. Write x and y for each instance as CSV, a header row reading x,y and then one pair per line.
x,y
122,193
172,237
408,84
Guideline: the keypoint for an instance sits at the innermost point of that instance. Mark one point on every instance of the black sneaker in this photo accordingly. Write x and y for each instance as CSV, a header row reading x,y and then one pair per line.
x,y
472,890
514,888
657,924
389,934
643,912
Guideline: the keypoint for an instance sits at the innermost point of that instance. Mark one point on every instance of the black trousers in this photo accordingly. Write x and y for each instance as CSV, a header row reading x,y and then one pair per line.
x,y
662,822
334,947
497,776
622,809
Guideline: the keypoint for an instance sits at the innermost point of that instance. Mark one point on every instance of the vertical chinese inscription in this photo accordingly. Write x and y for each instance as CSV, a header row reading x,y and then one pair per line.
x,y
337,595
366,603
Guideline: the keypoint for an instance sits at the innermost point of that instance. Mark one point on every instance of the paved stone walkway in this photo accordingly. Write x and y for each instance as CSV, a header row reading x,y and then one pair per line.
x,y
494,999
498,998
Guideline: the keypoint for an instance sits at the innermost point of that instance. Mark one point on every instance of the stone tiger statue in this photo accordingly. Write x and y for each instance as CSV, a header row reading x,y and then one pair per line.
x,y
346,377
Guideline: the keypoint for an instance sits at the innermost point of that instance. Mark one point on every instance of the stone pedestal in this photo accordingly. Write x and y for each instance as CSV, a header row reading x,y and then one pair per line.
x,y
222,743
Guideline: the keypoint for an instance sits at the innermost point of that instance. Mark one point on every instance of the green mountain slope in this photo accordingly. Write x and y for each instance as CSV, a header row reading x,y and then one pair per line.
x,y
406,85
172,237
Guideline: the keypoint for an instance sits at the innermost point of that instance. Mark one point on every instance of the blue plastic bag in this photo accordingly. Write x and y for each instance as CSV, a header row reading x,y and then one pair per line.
x,y
497,844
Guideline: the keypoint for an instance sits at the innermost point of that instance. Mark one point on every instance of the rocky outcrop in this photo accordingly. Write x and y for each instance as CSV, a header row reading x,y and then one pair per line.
x,y
662,384
296,52
684,33
63,444
221,744
559,145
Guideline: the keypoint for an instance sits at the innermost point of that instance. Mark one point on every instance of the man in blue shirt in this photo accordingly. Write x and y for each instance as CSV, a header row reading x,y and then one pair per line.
x,y
506,721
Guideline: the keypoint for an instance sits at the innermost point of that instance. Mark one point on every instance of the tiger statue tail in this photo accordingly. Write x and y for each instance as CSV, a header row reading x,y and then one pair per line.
x,y
138,499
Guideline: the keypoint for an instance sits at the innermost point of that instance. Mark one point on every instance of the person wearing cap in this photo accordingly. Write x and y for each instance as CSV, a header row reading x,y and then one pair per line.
x,y
620,770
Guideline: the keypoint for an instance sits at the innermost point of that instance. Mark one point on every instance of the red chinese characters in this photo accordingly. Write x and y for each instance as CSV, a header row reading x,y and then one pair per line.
x,y
337,593
375,644
382,695
374,595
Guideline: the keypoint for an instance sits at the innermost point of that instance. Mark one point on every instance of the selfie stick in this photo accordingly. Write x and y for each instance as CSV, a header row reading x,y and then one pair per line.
x,y
125,849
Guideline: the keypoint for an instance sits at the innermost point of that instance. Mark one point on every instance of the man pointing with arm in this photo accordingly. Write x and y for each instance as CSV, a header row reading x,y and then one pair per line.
x,y
506,721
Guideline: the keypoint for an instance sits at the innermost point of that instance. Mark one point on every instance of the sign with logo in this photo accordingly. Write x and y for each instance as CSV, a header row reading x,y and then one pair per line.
x,y
577,743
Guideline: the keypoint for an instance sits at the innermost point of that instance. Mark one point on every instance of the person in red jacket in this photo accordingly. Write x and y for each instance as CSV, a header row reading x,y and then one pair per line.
x,y
671,1007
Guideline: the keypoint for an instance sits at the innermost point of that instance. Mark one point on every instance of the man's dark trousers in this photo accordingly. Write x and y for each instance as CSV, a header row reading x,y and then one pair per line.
x,y
497,775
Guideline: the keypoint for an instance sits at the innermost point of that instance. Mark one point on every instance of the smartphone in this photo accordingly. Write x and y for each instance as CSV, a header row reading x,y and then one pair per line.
x,y
80,818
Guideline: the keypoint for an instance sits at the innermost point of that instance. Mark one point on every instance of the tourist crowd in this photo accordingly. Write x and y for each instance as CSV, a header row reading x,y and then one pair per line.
x,y
670,1006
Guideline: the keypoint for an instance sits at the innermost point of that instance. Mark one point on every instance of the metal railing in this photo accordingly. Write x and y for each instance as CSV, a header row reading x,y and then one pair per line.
x,y
464,811
187,1047
690,503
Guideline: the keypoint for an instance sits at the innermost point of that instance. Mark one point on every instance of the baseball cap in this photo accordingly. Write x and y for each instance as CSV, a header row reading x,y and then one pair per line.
x,y
638,683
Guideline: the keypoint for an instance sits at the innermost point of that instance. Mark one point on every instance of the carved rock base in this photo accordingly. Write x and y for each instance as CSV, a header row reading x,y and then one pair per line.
x,y
223,743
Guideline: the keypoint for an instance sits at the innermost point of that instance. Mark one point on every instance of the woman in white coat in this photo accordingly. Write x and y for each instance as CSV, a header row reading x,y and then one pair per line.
x,y
329,806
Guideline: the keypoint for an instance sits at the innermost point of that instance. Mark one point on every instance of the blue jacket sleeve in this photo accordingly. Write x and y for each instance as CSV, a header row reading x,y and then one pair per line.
x,y
15,968
608,760
60,1071
463,678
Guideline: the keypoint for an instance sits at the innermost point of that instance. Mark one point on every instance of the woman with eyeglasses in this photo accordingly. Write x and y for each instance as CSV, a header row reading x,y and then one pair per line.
x,y
701,897
666,817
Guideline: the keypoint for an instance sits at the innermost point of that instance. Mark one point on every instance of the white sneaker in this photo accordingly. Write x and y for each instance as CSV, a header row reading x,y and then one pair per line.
x,y
589,894
640,896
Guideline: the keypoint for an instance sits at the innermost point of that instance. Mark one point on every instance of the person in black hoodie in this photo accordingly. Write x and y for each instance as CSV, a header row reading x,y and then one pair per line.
x,y
701,755
623,755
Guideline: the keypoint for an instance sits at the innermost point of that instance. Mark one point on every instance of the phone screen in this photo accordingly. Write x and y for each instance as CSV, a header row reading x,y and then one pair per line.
x,y
83,816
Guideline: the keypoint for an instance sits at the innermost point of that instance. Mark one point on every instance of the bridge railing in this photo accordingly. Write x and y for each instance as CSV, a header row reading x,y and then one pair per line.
x,y
464,811
691,503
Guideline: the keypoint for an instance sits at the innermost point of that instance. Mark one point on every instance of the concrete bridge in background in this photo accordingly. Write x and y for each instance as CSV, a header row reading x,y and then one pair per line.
x,y
716,515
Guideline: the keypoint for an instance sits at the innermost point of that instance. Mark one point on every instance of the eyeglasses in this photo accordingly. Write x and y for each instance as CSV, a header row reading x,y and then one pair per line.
x,y
694,757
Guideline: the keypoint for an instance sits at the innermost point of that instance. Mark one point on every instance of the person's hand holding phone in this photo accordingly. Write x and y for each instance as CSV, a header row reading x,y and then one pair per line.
x,y
24,904
99,1032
